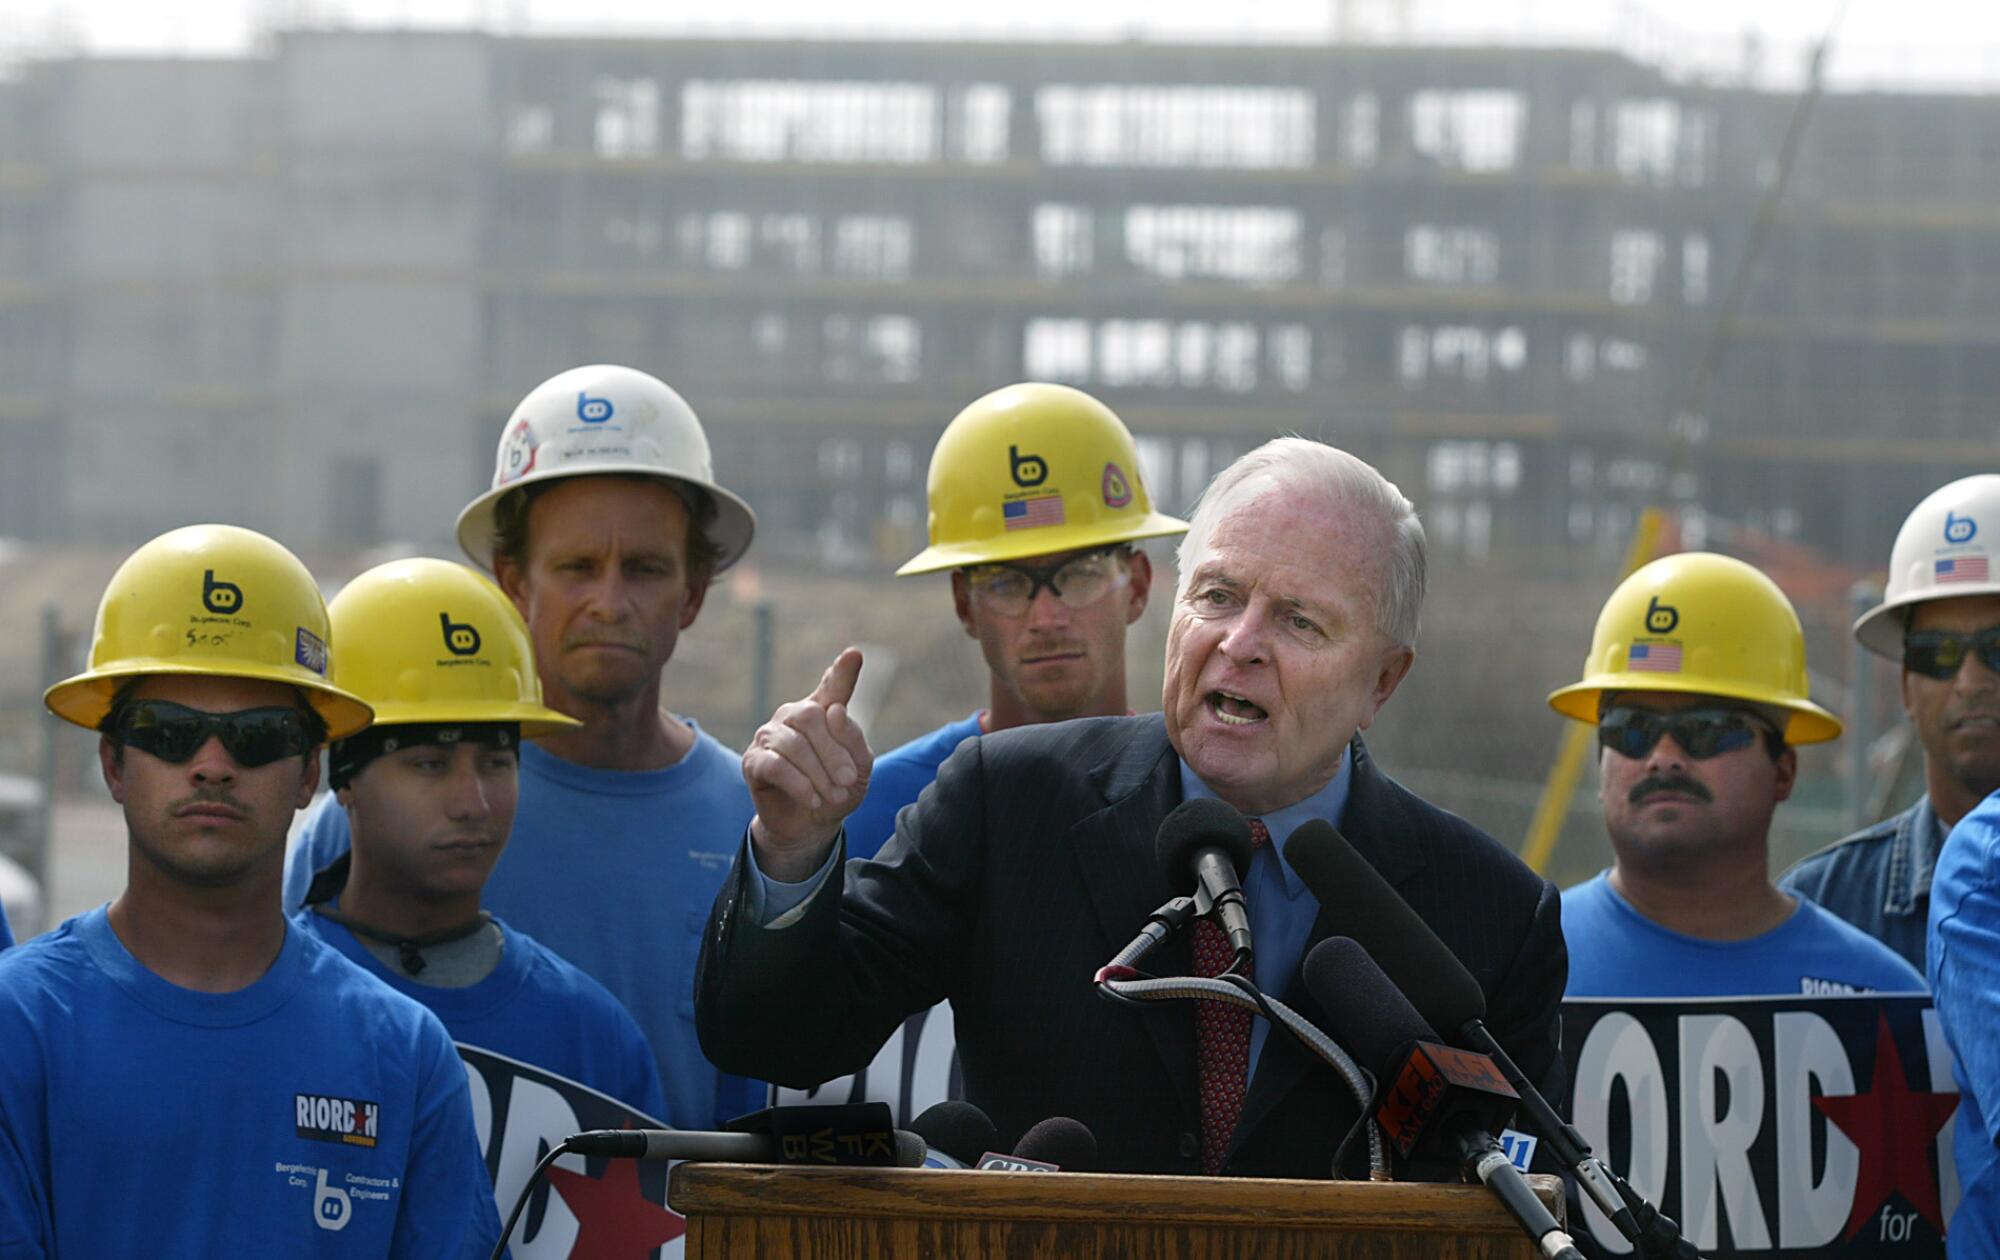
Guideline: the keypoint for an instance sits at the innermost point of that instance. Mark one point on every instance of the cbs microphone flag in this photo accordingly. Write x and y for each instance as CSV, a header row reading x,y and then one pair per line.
x,y
1962,569
1654,658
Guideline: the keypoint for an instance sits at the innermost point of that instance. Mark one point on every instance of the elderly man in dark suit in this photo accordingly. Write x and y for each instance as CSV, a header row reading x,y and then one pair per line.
x,y
1030,861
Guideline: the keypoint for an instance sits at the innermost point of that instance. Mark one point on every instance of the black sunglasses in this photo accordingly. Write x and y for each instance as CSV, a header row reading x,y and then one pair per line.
x,y
173,732
1939,653
1700,733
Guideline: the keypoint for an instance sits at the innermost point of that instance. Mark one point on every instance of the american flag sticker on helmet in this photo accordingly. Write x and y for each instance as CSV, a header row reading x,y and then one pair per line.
x,y
1654,658
1962,569
1033,513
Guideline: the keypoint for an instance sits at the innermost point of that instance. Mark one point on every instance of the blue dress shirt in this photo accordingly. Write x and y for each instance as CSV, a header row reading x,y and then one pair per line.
x,y
1282,908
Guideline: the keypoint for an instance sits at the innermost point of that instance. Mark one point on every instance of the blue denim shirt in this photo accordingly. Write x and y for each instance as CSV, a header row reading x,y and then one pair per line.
x,y
1879,878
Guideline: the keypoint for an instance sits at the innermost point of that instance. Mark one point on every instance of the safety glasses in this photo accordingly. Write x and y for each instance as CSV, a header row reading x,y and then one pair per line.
x,y
1700,733
1939,653
1080,582
173,732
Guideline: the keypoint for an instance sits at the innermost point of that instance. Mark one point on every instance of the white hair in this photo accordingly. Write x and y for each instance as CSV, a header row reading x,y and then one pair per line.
x,y
1318,470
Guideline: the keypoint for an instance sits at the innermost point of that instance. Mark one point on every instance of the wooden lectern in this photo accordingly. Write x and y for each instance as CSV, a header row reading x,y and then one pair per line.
x,y
746,1212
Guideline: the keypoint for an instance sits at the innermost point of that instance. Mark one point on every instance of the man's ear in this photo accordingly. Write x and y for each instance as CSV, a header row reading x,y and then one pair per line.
x,y
1787,773
961,602
1138,585
513,581
309,781
1392,670
111,761
697,591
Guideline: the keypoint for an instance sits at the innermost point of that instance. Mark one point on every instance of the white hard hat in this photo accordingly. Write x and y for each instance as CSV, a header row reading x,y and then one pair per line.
x,y
1945,550
606,419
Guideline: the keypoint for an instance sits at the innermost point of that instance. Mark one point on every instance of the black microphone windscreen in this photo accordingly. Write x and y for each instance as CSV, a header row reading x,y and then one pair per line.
x,y
1061,1141
957,1128
1366,908
1363,1006
1196,824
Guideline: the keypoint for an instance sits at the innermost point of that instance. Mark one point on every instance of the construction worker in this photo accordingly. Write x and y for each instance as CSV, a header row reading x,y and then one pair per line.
x,y
1696,682
1939,619
1036,507
182,1074
429,793
605,526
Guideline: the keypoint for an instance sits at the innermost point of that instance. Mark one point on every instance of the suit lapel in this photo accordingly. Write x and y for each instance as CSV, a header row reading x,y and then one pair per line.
x,y
1376,824
1114,850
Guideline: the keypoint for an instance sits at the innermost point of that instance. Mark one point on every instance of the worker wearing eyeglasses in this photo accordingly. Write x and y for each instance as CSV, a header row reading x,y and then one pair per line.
x,y
1940,620
180,1075
1696,682
1036,510
1036,505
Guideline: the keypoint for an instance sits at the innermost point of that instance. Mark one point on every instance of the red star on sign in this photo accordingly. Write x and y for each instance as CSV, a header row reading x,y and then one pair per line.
x,y
1894,1126
617,1220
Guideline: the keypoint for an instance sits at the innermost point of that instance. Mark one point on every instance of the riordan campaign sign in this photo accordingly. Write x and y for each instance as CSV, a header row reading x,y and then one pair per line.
x,y
1768,1126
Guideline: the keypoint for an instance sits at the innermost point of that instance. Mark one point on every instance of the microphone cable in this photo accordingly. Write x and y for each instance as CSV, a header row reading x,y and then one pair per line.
x,y
1236,990
514,1217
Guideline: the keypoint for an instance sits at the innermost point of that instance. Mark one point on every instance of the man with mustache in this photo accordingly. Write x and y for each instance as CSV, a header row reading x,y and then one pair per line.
x,y
605,526
182,1073
1696,682
1940,620
429,791
1036,502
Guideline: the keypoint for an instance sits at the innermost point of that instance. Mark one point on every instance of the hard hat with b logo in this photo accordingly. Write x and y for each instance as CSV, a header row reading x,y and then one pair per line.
x,y
606,419
1704,624
210,600
1943,551
429,641
1033,469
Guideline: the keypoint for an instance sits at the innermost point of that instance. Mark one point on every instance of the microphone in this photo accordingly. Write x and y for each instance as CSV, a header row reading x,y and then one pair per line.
x,y
1446,995
1435,1102
893,1148
1401,944
1210,837
956,1132
843,1134
1053,1145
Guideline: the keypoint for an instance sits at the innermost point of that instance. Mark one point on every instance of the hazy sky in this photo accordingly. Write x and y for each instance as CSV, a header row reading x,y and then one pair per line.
x,y
1943,42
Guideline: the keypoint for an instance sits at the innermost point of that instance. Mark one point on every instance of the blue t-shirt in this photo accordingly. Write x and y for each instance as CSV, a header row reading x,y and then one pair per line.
x,y
1614,952
613,870
533,1007
316,1112
899,776
1964,958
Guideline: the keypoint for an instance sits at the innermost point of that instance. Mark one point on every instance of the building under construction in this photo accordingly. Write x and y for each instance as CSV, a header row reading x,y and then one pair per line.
x,y
301,291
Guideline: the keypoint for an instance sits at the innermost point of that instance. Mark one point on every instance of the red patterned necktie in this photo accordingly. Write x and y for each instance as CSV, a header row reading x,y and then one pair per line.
x,y
1221,1037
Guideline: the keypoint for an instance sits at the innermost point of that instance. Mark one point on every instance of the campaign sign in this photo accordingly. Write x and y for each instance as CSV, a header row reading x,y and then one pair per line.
x,y
584,1209
1768,1126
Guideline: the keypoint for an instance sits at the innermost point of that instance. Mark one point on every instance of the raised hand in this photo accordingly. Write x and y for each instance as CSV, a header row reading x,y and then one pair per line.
x,y
807,769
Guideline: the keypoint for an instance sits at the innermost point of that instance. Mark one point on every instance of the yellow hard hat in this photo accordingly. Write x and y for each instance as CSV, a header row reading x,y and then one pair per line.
x,y
1704,624
431,641
215,600
1032,469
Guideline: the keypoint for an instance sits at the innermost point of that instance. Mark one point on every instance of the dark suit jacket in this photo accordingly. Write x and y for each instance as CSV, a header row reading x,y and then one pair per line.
x,y
1017,874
